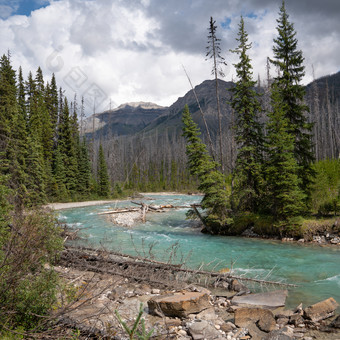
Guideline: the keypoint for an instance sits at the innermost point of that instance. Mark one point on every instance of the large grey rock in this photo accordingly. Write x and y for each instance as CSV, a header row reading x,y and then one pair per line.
x,y
180,304
321,310
272,299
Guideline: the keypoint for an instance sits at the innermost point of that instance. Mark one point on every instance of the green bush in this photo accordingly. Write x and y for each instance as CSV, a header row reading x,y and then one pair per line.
x,y
326,186
27,283
332,206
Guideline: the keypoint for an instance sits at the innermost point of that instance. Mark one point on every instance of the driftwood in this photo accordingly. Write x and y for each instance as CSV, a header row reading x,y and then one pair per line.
x,y
142,269
144,208
117,211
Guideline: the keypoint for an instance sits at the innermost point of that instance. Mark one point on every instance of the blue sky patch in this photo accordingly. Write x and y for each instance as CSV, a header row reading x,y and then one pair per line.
x,y
226,23
20,7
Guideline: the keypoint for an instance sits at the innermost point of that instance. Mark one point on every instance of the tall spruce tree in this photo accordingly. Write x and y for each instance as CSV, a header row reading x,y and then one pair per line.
x,y
211,181
102,174
67,148
289,61
248,172
84,169
284,196
13,126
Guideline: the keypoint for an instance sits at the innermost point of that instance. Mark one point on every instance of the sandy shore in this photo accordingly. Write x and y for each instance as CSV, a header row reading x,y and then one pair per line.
x,y
59,206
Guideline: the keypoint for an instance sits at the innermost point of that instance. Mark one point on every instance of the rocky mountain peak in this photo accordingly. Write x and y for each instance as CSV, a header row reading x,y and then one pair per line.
x,y
142,105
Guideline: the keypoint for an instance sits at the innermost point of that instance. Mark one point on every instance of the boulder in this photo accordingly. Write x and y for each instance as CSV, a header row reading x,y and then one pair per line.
x,y
267,322
336,322
179,304
244,317
272,299
321,310
202,329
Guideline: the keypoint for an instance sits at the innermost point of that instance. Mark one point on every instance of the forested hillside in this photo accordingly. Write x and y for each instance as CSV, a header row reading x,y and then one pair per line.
x,y
151,150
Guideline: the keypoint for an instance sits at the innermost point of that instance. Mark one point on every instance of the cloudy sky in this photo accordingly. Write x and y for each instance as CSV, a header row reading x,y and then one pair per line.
x,y
133,50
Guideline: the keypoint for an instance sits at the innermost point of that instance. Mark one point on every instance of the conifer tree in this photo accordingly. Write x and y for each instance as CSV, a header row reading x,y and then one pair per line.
x,y
22,96
84,169
289,61
284,195
36,172
102,174
13,128
52,105
247,175
67,148
211,181
214,53
59,176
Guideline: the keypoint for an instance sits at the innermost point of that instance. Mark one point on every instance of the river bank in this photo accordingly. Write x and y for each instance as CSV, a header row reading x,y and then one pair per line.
x,y
180,308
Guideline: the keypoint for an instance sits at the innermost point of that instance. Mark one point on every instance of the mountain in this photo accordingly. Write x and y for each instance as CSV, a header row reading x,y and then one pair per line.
x,y
150,119
147,118
171,120
127,119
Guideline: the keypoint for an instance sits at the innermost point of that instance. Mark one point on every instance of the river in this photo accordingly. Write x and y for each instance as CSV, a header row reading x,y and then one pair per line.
x,y
315,269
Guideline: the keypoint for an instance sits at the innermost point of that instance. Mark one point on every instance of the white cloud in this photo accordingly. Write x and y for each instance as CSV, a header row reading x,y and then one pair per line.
x,y
133,50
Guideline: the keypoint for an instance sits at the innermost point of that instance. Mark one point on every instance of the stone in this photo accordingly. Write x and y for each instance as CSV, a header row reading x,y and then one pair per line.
x,y
272,299
296,319
336,322
180,304
207,314
248,316
335,240
285,333
256,333
228,327
267,322
237,286
155,291
182,332
282,322
321,310
299,309
201,329
301,240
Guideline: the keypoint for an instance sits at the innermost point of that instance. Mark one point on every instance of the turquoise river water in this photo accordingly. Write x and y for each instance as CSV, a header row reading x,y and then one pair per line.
x,y
315,269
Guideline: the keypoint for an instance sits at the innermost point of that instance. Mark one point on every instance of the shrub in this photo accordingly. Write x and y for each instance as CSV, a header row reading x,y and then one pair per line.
x,y
27,282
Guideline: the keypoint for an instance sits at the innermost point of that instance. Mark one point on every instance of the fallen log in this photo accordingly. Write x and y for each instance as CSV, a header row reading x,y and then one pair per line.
x,y
158,265
118,211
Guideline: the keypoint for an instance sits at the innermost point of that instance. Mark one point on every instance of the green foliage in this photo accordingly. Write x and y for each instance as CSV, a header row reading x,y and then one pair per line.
x,y
27,284
289,62
284,196
5,206
212,183
248,172
326,189
134,332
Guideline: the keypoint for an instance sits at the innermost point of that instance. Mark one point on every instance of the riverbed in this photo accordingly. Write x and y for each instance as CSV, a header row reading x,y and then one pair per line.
x,y
169,236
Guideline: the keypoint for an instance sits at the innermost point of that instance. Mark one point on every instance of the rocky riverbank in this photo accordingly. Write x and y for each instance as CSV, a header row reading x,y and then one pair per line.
x,y
177,309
